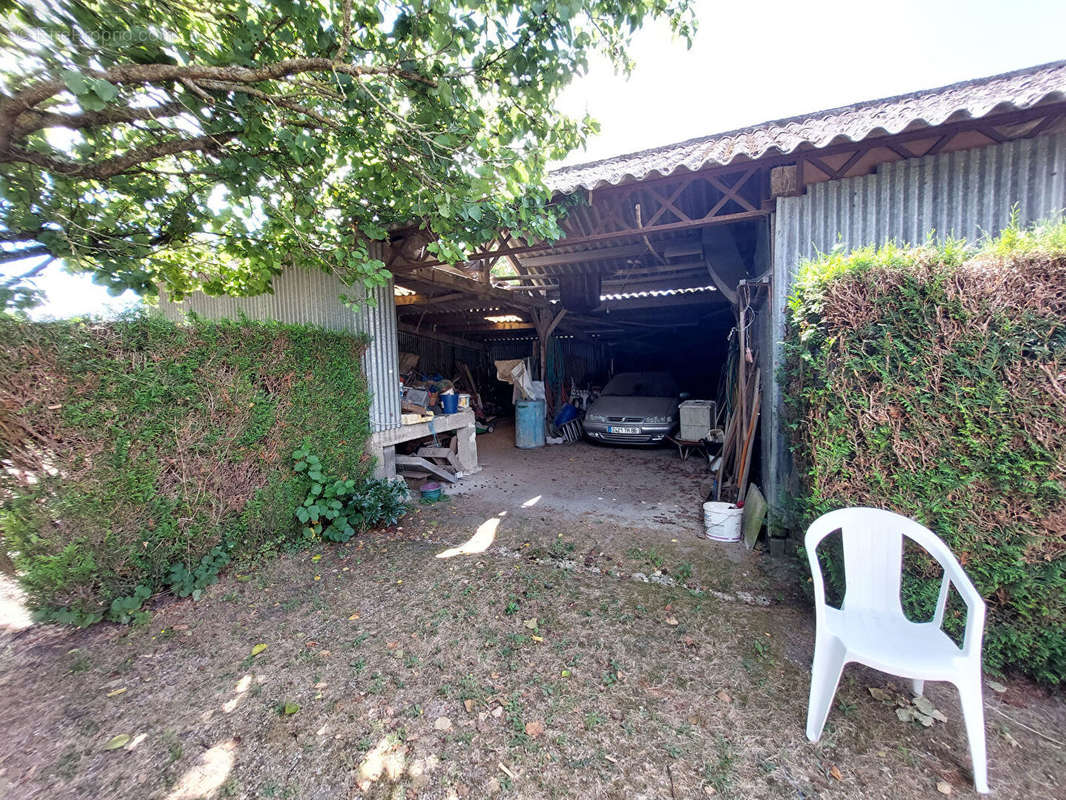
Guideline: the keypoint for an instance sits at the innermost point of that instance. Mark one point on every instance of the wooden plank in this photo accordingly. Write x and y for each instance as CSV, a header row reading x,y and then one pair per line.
x,y
425,466
745,461
417,299
440,336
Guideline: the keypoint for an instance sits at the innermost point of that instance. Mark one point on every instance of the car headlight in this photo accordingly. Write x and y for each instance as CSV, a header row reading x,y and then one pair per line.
x,y
597,418
657,420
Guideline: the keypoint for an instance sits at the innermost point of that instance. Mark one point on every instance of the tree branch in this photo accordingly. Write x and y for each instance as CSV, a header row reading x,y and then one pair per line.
x,y
277,100
102,170
34,120
7,256
13,107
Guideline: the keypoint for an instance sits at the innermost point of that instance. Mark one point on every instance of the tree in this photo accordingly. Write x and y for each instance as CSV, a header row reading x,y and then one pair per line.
x,y
208,145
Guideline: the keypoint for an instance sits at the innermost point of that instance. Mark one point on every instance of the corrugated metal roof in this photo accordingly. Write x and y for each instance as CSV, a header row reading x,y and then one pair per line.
x,y
658,293
973,99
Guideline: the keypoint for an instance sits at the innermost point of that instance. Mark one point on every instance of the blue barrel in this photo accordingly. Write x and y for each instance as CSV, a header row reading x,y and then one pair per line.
x,y
529,424
450,402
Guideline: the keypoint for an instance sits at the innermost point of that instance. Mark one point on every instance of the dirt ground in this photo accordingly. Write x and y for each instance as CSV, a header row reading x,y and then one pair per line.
x,y
583,644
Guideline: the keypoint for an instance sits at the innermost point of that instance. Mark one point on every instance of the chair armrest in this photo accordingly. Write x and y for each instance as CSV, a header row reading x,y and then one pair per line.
x,y
818,530
954,575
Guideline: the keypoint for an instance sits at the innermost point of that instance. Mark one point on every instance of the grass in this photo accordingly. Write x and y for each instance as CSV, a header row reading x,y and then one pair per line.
x,y
599,706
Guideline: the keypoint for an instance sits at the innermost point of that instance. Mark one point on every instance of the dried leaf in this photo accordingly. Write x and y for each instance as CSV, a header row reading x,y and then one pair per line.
x,y
880,694
116,692
1008,738
115,742
535,728
996,686
259,648
442,724
723,695
536,638
531,623
921,702
938,716
925,719
354,616
469,706
671,621
905,714
836,773
943,787
290,709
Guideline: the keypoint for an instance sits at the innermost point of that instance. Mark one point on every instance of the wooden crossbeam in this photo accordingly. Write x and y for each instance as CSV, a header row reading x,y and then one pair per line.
x,y
417,299
667,203
608,210
472,323
476,289
601,254
730,192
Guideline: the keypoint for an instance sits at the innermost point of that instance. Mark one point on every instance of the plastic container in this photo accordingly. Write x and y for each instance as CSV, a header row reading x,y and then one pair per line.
x,y
450,403
566,413
431,491
464,401
697,419
529,424
722,521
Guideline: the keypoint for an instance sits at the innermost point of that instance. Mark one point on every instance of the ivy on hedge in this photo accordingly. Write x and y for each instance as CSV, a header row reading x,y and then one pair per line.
x,y
932,381
141,455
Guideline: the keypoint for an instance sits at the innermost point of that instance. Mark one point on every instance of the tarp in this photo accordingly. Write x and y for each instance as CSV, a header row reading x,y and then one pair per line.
x,y
516,372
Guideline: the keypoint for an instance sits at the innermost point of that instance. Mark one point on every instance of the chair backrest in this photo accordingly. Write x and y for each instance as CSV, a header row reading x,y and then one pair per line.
x,y
873,553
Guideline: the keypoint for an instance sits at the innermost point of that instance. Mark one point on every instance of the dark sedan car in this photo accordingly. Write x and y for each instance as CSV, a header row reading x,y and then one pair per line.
x,y
634,408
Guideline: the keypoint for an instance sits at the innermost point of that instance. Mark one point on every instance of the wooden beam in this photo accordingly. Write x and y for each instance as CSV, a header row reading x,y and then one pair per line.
x,y
474,288
428,300
475,324
428,266
439,335
623,251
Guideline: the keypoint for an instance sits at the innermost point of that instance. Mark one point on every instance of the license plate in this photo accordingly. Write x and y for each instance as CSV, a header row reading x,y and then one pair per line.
x,y
621,429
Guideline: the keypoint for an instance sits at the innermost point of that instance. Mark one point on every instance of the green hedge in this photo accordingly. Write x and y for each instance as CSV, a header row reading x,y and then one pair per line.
x,y
141,455
932,381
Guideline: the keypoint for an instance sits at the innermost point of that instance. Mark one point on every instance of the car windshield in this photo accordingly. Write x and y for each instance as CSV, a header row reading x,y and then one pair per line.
x,y
641,384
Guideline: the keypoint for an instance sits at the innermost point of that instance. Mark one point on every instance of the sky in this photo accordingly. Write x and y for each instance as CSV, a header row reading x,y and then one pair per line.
x,y
753,62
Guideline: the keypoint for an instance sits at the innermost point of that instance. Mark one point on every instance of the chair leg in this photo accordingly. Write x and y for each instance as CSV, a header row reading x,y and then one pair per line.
x,y
973,712
828,664
918,687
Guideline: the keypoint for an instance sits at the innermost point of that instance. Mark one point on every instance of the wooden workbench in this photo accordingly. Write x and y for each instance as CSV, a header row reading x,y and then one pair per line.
x,y
382,445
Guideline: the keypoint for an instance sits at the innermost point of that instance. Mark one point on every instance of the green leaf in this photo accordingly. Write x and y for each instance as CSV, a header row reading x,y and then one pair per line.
x,y
290,708
90,102
117,742
105,90
74,81
257,649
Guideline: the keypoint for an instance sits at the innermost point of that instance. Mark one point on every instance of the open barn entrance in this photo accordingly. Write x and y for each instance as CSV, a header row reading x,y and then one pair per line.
x,y
639,337
595,331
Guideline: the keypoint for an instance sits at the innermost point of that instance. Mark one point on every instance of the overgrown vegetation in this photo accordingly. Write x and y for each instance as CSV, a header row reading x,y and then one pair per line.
x,y
932,381
337,508
142,455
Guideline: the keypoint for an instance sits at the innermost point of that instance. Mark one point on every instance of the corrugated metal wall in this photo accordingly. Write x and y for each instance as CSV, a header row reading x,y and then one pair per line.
x,y
505,349
965,194
305,297
436,356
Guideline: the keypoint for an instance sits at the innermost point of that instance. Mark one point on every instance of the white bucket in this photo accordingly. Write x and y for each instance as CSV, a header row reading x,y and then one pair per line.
x,y
722,521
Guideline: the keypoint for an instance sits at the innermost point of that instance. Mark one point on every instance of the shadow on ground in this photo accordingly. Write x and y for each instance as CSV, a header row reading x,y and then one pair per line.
x,y
444,659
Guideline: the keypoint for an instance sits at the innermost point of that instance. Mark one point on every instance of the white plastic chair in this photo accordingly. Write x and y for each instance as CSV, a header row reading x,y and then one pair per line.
x,y
870,627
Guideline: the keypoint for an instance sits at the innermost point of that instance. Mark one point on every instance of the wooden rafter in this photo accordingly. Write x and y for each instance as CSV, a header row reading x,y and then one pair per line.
x,y
417,299
611,209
